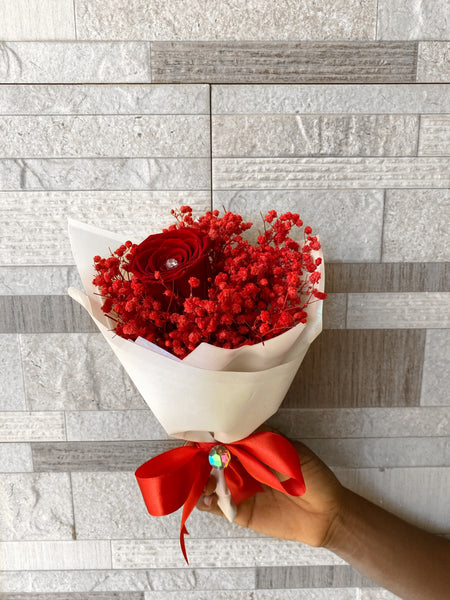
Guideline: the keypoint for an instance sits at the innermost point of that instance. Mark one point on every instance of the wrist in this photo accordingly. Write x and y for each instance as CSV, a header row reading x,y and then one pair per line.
x,y
338,538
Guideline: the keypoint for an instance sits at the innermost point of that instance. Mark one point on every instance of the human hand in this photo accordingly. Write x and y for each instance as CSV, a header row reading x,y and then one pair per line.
x,y
306,518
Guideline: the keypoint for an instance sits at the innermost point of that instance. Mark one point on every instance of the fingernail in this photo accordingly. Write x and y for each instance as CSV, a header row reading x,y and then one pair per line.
x,y
207,500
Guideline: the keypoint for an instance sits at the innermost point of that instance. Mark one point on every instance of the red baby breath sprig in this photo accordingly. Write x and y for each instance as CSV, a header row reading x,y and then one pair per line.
x,y
254,291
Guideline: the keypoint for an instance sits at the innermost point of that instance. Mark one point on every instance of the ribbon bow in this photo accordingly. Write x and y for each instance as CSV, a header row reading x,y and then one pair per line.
x,y
178,477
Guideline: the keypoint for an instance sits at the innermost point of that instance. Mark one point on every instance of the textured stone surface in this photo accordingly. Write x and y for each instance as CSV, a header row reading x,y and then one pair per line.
x,y
74,62
37,20
240,20
43,314
96,456
36,507
396,491
436,372
203,595
142,554
388,277
12,393
353,368
89,425
123,580
104,136
334,311
434,135
433,61
55,555
68,372
331,214
378,595
86,174
310,577
383,452
288,62
362,422
314,99
110,505
128,99
14,458
80,596
413,20
32,426
322,135
336,173
34,226
37,280
412,219
309,594
385,311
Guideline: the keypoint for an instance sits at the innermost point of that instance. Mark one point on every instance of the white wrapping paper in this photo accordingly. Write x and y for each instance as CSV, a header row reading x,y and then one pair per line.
x,y
214,393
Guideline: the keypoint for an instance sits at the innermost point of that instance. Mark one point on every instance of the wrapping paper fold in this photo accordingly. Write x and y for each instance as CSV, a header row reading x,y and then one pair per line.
x,y
214,393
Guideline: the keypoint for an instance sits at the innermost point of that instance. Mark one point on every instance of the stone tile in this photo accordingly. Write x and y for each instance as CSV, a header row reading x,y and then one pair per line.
x,y
32,426
380,422
433,63
142,554
317,99
125,174
36,506
418,20
283,62
80,596
55,555
240,20
67,372
308,594
427,310
92,425
38,280
320,135
34,227
74,62
434,135
125,580
12,393
51,20
436,372
387,277
127,99
334,311
412,219
335,173
378,595
10,174
383,452
15,458
359,211
354,369
204,595
310,577
105,136
396,490
110,506
96,456
42,314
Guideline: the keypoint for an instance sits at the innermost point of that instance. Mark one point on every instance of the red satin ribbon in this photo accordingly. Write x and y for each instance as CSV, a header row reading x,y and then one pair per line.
x,y
179,476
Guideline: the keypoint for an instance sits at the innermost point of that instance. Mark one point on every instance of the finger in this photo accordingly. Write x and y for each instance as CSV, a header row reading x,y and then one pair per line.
x,y
211,485
209,504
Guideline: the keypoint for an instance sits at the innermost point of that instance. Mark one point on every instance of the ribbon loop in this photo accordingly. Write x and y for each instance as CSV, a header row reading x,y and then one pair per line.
x,y
178,477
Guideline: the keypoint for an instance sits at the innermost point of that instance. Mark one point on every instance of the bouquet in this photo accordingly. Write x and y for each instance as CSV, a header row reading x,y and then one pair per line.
x,y
212,329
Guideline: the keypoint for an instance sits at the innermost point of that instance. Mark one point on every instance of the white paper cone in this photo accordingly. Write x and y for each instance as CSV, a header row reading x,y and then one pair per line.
x,y
214,393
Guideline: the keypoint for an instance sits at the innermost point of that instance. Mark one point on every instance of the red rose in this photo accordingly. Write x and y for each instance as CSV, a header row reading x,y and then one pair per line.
x,y
174,256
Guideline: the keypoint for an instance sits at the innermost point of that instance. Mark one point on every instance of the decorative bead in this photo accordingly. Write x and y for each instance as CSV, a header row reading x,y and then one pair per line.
x,y
219,457
171,263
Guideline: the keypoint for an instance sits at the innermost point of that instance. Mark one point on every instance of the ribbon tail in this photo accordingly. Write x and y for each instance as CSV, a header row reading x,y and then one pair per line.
x,y
196,491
